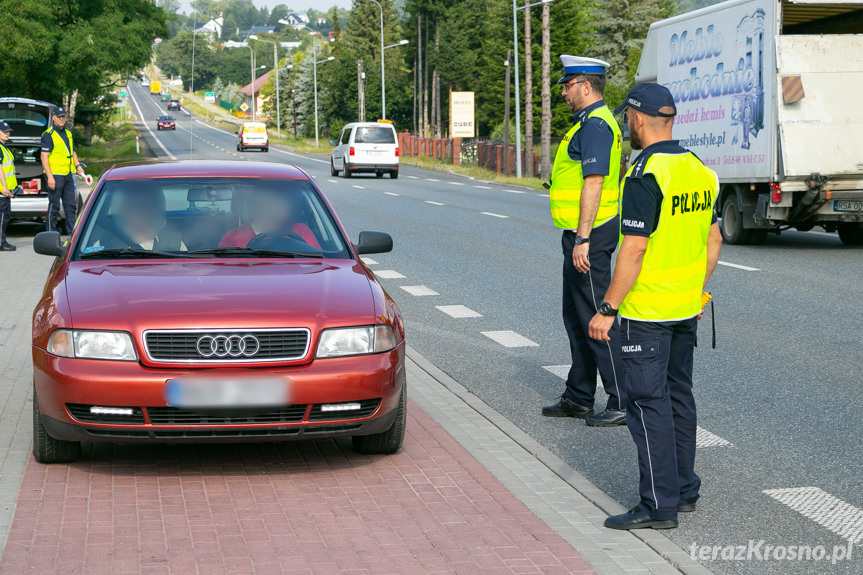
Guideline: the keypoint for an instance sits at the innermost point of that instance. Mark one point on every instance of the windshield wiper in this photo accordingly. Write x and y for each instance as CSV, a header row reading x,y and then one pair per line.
x,y
255,252
132,253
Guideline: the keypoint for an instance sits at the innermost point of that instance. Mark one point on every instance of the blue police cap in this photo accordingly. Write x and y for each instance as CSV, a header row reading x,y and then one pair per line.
x,y
59,112
577,65
650,99
4,127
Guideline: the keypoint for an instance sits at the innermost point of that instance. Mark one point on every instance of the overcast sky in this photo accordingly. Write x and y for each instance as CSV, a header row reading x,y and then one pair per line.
x,y
299,5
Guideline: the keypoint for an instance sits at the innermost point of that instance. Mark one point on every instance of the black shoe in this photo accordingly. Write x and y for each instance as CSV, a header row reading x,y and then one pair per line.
x,y
687,506
638,518
7,247
566,408
608,418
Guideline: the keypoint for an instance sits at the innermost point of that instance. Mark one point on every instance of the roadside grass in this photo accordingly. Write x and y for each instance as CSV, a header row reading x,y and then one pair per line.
x,y
475,172
116,146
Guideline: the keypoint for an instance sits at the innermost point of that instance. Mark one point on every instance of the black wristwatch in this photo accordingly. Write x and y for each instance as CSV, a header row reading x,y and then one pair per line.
x,y
606,309
580,240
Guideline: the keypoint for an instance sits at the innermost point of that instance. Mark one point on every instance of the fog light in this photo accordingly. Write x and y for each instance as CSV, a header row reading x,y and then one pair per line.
x,y
99,410
340,407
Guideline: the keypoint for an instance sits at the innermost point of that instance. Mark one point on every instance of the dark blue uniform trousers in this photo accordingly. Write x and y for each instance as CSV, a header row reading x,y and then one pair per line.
x,y
582,294
660,413
64,190
5,216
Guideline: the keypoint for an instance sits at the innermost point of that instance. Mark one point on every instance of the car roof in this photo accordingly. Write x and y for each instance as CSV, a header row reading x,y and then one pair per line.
x,y
254,124
28,101
205,168
368,124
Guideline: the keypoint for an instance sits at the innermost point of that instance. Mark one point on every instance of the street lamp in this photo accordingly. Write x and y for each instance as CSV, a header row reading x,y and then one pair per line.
x,y
515,9
276,68
383,70
232,44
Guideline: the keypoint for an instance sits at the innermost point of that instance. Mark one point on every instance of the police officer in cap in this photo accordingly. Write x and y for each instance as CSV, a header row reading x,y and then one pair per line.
x,y
583,193
8,184
60,163
670,247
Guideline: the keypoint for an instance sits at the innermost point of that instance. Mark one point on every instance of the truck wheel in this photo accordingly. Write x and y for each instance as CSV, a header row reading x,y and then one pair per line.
x,y
389,441
732,224
46,449
851,234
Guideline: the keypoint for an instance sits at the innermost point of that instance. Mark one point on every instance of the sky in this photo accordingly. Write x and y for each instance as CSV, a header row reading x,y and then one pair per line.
x,y
299,5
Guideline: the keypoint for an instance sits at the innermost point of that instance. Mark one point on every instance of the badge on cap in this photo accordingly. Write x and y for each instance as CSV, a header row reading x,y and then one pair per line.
x,y
575,65
650,99
59,112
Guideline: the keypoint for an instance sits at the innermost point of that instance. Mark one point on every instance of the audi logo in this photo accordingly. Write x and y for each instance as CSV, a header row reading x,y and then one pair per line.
x,y
222,346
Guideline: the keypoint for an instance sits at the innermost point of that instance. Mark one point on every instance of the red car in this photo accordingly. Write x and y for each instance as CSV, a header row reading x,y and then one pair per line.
x,y
213,302
166,123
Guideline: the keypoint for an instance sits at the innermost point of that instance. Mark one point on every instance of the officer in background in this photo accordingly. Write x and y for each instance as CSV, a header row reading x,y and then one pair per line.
x,y
9,182
60,163
584,188
670,247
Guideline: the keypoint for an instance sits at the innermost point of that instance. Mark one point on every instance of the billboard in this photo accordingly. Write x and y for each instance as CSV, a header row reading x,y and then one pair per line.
x,y
461,115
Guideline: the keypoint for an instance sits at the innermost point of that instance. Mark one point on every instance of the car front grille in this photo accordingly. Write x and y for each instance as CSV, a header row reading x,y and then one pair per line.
x,y
174,416
183,434
237,346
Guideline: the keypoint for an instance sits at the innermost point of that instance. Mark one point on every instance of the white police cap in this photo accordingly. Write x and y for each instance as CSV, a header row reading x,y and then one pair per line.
x,y
576,65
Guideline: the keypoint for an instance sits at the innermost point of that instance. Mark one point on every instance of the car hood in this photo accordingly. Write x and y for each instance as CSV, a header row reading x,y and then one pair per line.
x,y
220,294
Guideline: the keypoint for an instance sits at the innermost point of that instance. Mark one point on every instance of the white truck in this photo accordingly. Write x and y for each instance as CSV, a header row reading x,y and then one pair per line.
x,y
767,94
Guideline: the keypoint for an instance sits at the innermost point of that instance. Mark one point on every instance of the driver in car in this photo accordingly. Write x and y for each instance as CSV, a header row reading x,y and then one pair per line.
x,y
138,220
273,212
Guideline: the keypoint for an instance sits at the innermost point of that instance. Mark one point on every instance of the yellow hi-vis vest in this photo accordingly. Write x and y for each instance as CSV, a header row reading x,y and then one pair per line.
x,y
8,164
672,274
60,158
567,179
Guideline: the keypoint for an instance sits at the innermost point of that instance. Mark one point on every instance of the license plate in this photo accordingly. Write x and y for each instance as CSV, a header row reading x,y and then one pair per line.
x,y
216,392
848,206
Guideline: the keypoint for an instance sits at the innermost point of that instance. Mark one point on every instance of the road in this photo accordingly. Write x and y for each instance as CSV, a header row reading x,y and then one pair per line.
x,y
476,271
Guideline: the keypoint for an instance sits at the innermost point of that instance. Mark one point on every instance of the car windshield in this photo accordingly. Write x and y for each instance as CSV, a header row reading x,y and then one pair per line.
x,y
252,129
27,123
166,118
374,135
209,217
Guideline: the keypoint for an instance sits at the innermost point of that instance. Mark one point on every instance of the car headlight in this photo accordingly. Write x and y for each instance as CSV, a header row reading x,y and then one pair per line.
x,y
81,344
364,340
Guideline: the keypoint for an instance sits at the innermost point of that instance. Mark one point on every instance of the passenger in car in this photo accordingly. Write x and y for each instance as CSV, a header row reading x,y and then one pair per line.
x,y
138,220
273,211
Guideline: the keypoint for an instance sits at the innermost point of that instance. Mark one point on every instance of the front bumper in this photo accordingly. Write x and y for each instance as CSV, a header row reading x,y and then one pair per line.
x,y
66,386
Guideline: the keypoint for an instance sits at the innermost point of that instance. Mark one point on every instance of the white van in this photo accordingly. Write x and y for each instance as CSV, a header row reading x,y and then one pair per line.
x,y
253,135
370,147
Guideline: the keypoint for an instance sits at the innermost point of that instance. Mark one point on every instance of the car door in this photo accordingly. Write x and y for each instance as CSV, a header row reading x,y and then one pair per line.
x,y
344,146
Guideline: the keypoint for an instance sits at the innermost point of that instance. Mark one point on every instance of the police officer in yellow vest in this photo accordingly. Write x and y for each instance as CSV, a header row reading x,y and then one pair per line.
x,y
8,184
583,194
669,250
60,163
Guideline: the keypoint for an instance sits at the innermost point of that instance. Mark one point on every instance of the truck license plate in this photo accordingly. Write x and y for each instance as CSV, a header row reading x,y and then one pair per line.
x,y
848,206
216,392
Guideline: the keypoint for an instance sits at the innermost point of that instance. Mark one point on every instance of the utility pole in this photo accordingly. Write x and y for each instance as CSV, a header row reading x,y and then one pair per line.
x,y
419,82
361,91
545,130
527,164
506,114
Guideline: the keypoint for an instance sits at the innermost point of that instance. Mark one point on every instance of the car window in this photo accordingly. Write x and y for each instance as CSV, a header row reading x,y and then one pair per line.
x,y
346,136
374,135
209,217
256,129
24,122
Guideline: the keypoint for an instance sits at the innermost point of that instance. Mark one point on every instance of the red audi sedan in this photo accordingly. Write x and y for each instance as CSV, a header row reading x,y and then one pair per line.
x,y
213,302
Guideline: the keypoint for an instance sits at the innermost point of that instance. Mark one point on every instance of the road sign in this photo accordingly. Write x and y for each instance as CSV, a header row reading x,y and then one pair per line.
x,y
243,107
122,94
210,97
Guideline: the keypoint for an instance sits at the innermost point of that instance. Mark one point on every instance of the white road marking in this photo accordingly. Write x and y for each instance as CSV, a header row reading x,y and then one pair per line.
x,y
455,183
333,181
482,187
150,130
358,187
515,191
561,371
494,215
368,261
434,203
704,438
839,517
458,311
508,338
389,274
414,177
419,290
391,193
738,266
431,180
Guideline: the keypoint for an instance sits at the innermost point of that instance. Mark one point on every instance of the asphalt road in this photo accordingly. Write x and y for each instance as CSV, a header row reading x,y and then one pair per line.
x,y
779,398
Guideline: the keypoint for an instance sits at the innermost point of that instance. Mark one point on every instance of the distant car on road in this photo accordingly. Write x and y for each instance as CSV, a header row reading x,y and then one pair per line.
x,y
214,302
253,135
370,147
165,123
173,104
165,96
145,82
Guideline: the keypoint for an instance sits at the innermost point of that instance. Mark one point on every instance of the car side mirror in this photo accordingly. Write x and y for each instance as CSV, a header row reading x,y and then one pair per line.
x,y
333,142
48,244
370,243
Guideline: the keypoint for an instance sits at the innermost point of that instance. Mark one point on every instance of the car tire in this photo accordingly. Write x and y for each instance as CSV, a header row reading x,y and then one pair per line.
x,y
267,149
851,234
389,441
379,174
174,128
46,449
733,231
333,170
346,173
394,175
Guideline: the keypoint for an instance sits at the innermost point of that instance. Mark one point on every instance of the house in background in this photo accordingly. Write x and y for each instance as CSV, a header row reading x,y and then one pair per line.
x,y
213,27
256,31
248,91
296,20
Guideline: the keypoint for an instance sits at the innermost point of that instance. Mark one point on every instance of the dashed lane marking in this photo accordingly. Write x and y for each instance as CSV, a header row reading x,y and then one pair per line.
x,y
391,193
458,311
508,338
482,187
515,191
494,215
419,290
824,509
431,180
389,274
434,203
455,183
368,261
358,187
414,177
333,181
704,438
738,266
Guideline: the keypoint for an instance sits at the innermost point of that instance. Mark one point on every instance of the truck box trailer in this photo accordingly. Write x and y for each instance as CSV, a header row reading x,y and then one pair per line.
x,y
155,87
767,93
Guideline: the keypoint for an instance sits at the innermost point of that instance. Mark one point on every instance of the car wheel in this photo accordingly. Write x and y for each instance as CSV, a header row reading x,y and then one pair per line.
x,y
733,231
346,173
174,128
389,441
851,234
333,170
267,149
46,449
394,174
379,174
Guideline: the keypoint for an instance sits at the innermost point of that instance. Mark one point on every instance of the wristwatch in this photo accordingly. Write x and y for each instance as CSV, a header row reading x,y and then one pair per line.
x,y
580,240
606,309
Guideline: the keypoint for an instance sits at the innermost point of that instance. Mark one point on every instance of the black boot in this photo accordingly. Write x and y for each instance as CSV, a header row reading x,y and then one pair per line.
x,y
608,418
566,408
